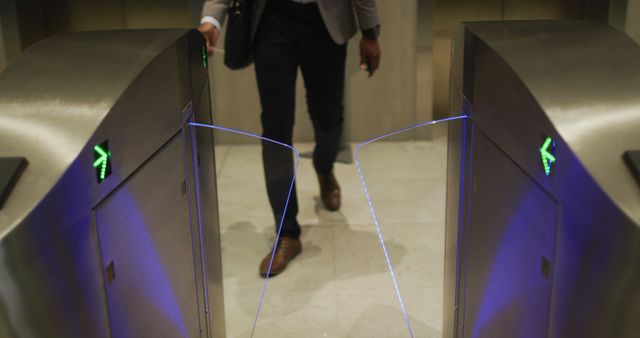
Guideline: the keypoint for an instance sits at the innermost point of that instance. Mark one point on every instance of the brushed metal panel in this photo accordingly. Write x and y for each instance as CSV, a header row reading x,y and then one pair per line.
x,y
53,99
457,156
508,113
201,183
451,13
597,282
205,171
51,284
147,236
197,222
594,96
63,96
148,114
511,234
454,250
533,78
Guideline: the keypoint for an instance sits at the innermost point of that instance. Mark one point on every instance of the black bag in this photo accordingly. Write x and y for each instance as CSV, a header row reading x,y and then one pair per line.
x,y
237,42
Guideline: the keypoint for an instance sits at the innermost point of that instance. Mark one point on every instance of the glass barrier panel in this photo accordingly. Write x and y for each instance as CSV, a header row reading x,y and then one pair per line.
x,y
250,219
404,176
404,179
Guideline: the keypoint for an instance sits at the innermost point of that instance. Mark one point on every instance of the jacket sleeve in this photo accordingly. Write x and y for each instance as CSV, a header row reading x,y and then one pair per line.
x,y
367,13
216,9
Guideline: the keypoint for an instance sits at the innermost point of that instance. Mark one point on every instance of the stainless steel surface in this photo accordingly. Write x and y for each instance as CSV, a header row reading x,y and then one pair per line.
x,y
510,240
595,97
576,82
458,185
53,99
448,14
205,171
147,237
65,95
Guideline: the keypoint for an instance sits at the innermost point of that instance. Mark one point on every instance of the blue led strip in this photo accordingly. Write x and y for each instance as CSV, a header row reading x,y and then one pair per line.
x,y
286,205
373,212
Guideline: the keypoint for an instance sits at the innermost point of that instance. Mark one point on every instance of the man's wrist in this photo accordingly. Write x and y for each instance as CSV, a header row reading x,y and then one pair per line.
x,y
371,33
211,20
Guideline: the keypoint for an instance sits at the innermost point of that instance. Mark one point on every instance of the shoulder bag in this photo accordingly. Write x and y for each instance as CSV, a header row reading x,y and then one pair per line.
x,y
237,42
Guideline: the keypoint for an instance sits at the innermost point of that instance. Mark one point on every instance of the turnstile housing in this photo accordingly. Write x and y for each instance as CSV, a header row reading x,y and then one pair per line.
x,y
136,254
534,251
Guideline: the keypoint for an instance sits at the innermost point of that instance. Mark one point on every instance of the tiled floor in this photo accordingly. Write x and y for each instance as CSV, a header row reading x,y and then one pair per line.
x,y
340,285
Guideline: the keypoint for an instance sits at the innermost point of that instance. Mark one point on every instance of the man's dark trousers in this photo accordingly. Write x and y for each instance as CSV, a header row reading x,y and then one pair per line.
x,y
293,35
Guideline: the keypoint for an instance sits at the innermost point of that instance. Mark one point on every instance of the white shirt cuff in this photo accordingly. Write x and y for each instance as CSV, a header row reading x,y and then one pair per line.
x,y
211,20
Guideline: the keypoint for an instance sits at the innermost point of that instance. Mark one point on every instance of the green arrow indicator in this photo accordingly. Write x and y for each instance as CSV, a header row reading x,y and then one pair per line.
x,y
102,157
547,153
204,56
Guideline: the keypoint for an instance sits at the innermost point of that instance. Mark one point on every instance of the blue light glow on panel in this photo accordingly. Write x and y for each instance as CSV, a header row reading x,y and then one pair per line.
x,y
505,289
159,295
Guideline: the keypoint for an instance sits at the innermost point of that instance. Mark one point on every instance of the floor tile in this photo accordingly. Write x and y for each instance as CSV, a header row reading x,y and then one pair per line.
x,y
284,314
416,253
244,248
340,285
376,313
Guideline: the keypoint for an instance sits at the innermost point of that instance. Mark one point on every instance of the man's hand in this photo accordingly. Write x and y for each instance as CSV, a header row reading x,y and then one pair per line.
x,y
211,34
369,55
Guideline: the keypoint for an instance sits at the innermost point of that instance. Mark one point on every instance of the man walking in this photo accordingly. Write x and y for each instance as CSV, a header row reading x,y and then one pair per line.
x,y
311,35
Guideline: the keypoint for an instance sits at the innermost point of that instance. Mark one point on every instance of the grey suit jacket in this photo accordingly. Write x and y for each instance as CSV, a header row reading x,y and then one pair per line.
x,y
343,18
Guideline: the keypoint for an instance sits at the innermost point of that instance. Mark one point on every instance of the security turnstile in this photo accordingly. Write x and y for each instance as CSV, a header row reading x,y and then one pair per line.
x,y
543,216
111,230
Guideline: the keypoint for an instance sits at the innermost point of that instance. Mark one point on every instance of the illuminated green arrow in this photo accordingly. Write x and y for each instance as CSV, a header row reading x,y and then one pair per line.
x,y
101,161
204,56
547,158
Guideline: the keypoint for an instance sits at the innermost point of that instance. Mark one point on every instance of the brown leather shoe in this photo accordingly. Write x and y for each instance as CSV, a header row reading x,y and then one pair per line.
x,y
287,249
329,191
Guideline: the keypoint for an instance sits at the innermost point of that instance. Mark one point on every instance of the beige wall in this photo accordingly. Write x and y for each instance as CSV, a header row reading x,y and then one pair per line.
x,y
79,15
372,106
447,16
3,57
424,65
633,19
41,18
9,36
24,22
